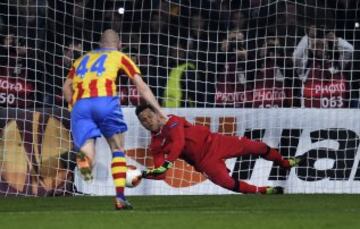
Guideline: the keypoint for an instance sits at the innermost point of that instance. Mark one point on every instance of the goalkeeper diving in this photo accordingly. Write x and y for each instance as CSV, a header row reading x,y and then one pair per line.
x,y
175,137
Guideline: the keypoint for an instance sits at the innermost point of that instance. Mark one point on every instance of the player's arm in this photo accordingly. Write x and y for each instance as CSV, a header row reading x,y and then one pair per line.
x,y
346,52
300,57
67,87
146,93
133,72
159,160
176,138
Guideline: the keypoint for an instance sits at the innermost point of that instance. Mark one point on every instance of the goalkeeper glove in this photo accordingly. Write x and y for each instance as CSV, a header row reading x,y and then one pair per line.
x,y
157,171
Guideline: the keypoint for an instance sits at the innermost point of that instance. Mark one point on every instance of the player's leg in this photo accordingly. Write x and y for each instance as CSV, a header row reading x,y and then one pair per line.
x,y
271,154
84,131
113,126
217,172
118,169
85,158
231,146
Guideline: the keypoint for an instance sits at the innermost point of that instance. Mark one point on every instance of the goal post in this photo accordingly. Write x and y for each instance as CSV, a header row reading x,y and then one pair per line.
x,y
282,71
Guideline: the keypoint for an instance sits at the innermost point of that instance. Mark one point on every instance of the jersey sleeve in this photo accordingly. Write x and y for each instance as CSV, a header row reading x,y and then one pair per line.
x,y
176,136
129,66
71,73
158,158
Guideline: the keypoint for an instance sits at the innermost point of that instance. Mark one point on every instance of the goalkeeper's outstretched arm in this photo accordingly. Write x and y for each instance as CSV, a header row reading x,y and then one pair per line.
x,y
159,160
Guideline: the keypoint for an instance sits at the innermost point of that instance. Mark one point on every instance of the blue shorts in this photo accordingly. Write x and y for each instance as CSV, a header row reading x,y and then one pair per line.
x,y
92,117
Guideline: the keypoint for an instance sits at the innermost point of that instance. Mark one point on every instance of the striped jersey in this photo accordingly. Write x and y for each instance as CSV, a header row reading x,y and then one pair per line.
x,y
94,74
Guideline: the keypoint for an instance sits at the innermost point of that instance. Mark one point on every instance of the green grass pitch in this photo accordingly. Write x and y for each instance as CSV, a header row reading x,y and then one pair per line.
x,y
172,212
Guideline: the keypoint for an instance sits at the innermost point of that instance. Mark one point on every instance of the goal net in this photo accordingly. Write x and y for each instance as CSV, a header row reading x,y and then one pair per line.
x,y
282,71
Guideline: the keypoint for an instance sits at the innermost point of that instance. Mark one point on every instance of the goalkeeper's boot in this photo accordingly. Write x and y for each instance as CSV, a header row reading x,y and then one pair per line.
x,y
296,161
274,190
121,204
84,164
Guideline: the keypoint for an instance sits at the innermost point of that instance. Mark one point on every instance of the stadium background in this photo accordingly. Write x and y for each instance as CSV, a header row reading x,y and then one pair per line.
x,y
230,64
238,76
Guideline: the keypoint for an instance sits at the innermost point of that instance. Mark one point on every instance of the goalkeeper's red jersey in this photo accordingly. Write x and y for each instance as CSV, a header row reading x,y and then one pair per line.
x,y
180,139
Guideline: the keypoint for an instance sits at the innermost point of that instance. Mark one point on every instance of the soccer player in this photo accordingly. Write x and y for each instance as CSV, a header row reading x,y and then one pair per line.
x,y
90,91
175,138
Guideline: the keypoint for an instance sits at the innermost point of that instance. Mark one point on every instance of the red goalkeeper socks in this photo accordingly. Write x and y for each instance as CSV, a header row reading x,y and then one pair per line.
x,y
274,155
263,150
248,188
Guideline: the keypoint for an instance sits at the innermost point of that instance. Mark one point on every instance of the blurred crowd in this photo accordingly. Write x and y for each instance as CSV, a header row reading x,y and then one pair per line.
x,y
208,53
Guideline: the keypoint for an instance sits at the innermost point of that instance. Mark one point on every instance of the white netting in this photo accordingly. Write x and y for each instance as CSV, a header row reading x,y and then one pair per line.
x,y
295,56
